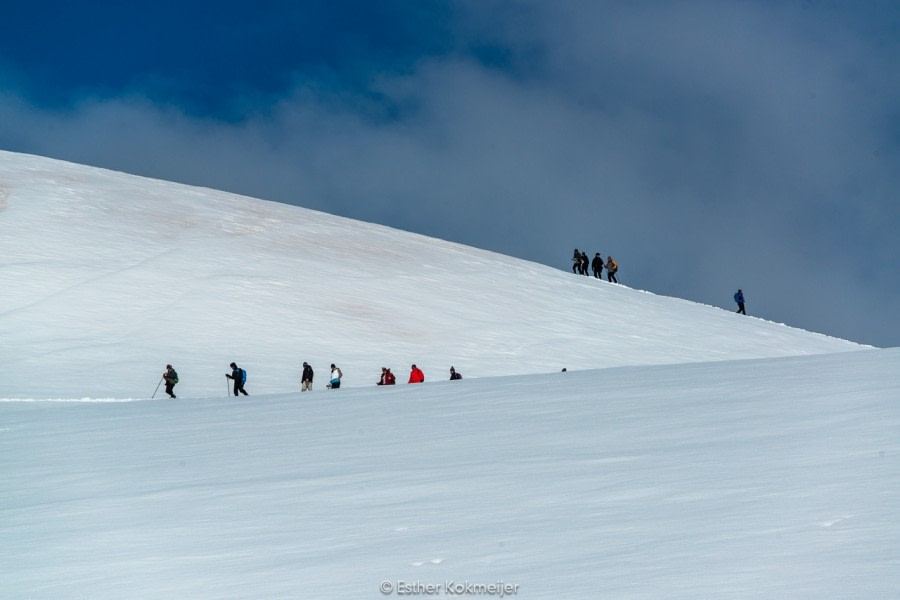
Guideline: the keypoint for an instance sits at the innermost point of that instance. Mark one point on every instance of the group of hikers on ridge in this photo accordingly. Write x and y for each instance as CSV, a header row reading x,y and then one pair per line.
x,y
581,262
239,378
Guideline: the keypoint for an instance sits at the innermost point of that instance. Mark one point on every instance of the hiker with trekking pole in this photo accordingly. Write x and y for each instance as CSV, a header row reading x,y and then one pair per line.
x,y
171,378
239,376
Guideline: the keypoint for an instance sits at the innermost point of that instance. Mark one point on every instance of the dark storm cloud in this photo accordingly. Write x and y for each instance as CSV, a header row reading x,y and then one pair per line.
x,y
706,145
208,59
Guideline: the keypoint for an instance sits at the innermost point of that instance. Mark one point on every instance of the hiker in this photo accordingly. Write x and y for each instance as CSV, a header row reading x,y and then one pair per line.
x,y
611,268
336,375
387,378
597,266
454,374
171,378
239,376
585,263
576,261
307,378
416,375
739,298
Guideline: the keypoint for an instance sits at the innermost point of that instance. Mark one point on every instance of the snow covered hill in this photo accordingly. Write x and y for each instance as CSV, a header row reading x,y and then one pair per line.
x,y
773,478
688,452
107,277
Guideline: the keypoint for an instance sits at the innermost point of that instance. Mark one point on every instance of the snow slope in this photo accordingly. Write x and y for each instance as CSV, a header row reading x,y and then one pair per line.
x,y
107,277
718,456
773,478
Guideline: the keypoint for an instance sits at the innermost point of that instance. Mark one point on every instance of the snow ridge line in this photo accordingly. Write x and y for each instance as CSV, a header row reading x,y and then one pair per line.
x,y
86,400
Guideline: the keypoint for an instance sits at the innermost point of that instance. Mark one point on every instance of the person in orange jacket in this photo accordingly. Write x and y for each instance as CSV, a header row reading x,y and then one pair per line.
x,y
416,375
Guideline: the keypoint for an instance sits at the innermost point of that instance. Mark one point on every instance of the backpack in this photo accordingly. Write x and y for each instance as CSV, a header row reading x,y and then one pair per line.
x,y
243,377
174,377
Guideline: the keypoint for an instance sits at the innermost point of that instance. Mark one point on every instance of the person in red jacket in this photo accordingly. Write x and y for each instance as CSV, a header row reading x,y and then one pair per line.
x,y
416,375
387,378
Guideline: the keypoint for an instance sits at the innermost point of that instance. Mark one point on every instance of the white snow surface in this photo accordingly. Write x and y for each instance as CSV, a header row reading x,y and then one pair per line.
x,y
687,453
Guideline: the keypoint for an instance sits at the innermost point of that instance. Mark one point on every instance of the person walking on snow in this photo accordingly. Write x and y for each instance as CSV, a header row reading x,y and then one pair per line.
x,y
171,378
597,266
336,376
611,268
585,263
454,374
416,375
307,378
239,376
387,378
739,298
576,261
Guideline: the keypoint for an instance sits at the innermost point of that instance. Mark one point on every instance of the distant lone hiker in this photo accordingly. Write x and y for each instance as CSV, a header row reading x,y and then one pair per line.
x,y
239,376
416,375
739,298
454,374
307,378
171,378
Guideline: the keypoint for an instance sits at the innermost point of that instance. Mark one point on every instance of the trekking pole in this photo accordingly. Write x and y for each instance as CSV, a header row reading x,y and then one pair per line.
x,y
157,387
227,391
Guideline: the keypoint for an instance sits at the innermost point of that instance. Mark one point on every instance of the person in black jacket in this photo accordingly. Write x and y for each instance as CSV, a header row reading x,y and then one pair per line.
x,y
576,261
237,375
306,379
454,374
171,378
597,266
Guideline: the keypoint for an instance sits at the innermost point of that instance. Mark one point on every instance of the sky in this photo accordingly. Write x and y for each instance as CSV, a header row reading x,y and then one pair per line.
x,y
706,145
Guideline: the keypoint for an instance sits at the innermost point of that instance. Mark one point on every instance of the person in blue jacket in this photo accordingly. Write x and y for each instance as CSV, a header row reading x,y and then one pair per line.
x,y
739,298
